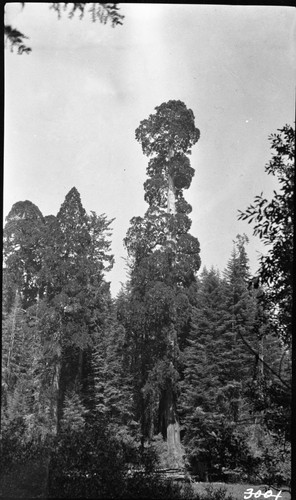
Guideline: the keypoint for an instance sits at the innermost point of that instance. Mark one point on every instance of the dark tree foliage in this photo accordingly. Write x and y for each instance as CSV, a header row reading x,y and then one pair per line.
x,y
22,253
56,303
97,393
170,128
274,222
240,317
87,463
217,367
113,398
103,12
235,400
16,39
270,394
164,258
104,467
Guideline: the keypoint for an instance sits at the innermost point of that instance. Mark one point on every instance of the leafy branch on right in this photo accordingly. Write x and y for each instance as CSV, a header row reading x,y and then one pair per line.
x,y
273,222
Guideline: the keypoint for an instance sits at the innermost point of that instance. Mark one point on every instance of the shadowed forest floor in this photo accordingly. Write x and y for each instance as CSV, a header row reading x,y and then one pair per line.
x,y
29,481
24,481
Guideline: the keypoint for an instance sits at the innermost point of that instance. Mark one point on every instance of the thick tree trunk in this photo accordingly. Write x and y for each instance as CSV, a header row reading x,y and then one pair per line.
x,y
171,199
170,429
171,203
169,422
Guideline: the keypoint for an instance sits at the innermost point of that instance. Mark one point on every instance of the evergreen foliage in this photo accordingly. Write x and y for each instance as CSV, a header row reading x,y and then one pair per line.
x,y
164,259
274,224
56,302
22,253
112,378
180,370
225,404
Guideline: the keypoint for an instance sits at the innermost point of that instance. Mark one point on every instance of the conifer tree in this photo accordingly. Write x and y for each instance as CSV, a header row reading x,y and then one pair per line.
x,y
82,297
206,416
112,378
164,259
23,367
227,380
240,316
219,364
21,252
54,267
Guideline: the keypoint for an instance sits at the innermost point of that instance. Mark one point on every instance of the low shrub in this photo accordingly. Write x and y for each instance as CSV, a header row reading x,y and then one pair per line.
x,y
214,493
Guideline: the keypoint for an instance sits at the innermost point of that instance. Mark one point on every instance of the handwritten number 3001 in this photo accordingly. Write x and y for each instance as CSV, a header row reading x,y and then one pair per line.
x,y
268,494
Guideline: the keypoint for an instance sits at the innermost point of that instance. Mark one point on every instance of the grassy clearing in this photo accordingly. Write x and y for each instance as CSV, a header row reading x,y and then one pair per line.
x,y
237,490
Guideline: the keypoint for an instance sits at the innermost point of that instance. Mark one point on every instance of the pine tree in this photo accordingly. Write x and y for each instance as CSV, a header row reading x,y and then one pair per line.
x,y
112,379
201,404
74,412
219,364
240,316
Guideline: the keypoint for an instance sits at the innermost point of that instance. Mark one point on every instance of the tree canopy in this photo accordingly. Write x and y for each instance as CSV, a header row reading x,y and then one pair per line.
x,y
171,128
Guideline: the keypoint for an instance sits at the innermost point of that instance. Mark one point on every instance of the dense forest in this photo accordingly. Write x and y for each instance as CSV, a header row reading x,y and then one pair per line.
x,y
187,369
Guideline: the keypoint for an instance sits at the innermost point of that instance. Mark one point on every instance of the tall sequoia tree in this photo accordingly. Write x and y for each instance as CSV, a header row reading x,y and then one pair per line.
x,y
164,258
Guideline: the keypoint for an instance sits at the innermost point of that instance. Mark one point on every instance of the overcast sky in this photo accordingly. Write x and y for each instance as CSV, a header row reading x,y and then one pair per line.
x,y
73,104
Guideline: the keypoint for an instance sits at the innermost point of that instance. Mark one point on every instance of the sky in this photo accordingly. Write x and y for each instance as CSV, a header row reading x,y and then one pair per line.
x,y
72,106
